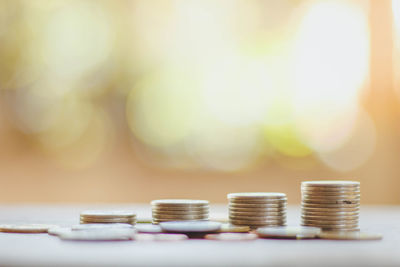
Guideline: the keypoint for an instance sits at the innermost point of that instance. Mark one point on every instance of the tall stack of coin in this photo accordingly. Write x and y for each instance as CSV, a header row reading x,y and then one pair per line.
x,y
165,210
331,205
113,216
257,209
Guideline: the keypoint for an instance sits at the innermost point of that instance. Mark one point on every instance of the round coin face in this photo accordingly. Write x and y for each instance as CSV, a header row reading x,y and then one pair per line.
x,y
191,226
349,235
107,213
257,195
176,202
330,183
25,228
232,236
299,232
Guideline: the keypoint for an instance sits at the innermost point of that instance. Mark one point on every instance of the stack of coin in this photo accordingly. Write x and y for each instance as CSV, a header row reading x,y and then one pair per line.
x,y
257,209
165,210
331,205
113,216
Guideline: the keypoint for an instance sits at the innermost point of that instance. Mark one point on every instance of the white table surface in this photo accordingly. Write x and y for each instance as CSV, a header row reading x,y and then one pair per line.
x,y
46,250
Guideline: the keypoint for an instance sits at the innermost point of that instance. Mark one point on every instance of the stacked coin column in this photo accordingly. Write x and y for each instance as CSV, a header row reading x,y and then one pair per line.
x,y
257,209
165,210
331,205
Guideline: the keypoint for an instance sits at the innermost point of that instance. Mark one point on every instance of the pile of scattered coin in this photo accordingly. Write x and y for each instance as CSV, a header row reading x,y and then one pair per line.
x,y
331,205
257,209
165,210
115,216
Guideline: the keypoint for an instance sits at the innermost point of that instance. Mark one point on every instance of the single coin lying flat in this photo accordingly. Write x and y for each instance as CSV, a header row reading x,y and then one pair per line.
x,y
25,228
91,226
232,236
289,232
191,226
349,235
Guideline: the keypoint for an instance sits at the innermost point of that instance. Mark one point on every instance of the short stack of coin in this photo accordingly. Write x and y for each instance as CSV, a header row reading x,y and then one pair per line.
x,y
257,209
165,210
331,205
113,216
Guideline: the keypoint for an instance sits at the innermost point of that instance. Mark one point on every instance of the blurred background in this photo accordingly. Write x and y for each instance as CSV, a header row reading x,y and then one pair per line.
x,y
129,101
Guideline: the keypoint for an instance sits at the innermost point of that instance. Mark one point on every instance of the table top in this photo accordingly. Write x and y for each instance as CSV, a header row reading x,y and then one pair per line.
x,y
46,250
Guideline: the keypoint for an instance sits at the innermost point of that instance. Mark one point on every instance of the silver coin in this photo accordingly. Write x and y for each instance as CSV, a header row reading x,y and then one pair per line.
x,y
96,226
160,237
99,235
148,228
191,226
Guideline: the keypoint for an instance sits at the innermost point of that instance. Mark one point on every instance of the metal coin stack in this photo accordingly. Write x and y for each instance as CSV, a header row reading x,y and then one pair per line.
x,y
257,209
114,216
331,205
165,210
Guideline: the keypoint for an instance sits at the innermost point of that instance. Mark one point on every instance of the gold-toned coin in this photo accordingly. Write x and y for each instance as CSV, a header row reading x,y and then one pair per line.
x,y
179,217
290,232
349,235
258,195
257,201
229,228
186,212
179,202
326,222
331,226
331,210
260,206
330,201
330,183
255,225
232,236
257,213
330,218
107,214
25,228
256,222
156,221
108,221
337,197
331,193
256,218
330,214
328,205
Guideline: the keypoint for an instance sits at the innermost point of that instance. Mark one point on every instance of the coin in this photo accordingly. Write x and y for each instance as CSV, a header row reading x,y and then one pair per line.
x,y
96,226
57,230
232,236
260,224
148,228
181,208
180,212
330,201
337,197
259,206
229,228
256,218
130,221
349,235
333,223
156,221
107,213
330,183
299,232
327,205
258,201
180,217
261,195
330,193
332,227
191,226
25,228
99,235
257,213
180,202
329,218
160,237
331,210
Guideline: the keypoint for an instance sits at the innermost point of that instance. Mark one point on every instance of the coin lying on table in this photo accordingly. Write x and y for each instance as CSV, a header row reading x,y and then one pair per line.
x,y
111,234
25,228
349,235
160,237
232,236
191,226
107,216
290,232
148,228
